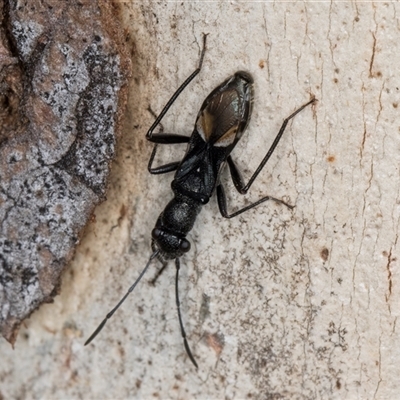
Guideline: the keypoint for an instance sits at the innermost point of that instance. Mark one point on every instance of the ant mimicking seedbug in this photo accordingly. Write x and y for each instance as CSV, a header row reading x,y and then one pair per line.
x,y
220,124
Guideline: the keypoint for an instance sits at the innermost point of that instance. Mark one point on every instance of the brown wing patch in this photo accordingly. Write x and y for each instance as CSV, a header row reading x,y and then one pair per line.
x,y
227,138
205,125
218,121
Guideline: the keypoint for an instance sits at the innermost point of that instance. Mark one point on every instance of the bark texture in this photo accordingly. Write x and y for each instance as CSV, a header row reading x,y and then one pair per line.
x,y
277,303
61,73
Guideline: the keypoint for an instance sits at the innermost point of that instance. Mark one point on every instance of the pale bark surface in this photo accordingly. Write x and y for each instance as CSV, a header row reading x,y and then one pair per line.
x,y
276,303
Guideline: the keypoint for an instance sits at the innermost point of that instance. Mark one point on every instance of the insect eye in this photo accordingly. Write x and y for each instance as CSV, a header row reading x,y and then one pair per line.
x,y
156,233
184,245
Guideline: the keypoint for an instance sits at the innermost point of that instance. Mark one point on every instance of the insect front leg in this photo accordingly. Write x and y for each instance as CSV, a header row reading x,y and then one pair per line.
x,y
158,273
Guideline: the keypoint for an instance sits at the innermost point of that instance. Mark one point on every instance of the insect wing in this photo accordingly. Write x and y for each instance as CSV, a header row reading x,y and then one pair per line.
x,y
226,112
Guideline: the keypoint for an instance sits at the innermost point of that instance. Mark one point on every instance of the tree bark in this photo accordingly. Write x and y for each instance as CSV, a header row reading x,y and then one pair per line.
x,y
276,303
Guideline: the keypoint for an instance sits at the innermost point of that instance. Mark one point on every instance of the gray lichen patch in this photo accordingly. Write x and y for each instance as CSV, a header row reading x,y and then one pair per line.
x,y
57,143
26,33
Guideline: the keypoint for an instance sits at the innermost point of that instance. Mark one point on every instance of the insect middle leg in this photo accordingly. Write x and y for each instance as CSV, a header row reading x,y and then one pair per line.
x,y
162,169
237,179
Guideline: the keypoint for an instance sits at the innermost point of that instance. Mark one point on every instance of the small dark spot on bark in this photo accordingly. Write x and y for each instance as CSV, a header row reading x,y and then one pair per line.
x,y
331,159
324,253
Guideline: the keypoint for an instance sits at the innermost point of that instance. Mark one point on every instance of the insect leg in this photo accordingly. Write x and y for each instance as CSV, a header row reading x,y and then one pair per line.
x,y
159,272
178,305
156,137
243,188
163,169
162,138
223,205
237,180
170,138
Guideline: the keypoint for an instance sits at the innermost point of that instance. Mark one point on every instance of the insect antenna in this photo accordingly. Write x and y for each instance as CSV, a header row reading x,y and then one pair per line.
x,y
178,306
111,313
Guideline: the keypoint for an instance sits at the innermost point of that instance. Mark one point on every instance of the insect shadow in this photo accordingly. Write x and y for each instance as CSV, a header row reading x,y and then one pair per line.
x,y
220,124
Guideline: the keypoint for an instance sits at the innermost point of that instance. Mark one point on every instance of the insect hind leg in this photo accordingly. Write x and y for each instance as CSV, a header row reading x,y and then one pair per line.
x,y
170,138
153,137
243,188
163,138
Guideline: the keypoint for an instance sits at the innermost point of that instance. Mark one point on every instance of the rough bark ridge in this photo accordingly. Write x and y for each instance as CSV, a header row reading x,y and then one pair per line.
x,y
60,78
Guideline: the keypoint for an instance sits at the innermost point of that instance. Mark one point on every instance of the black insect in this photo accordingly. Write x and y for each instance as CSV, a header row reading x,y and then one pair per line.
x,y
220,124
